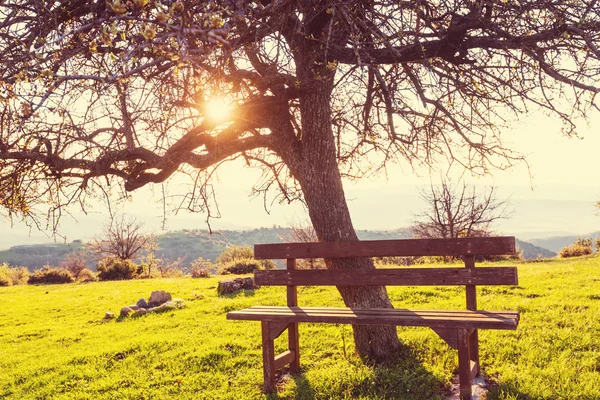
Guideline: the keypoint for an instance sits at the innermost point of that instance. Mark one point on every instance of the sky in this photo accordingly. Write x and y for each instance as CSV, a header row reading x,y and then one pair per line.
x,y
555,195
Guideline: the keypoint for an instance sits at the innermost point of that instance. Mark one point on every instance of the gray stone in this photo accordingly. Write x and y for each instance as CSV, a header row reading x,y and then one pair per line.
x,y
134,307
234,285
125,311
141,311
158,297
109,315
142,303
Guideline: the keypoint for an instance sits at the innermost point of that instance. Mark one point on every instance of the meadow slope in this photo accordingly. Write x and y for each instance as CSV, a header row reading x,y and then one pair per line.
x,y
54,343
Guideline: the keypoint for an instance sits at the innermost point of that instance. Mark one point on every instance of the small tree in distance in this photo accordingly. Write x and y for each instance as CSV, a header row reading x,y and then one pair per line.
x,y
75,263
123,239
454,213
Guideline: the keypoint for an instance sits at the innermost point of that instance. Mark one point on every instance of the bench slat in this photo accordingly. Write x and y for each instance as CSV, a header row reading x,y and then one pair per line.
x,y
389,276
401,317
498,245
384,311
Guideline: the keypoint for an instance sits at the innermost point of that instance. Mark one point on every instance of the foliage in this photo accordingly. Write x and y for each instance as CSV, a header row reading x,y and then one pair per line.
x,y
75,263
240,260
10,276
245,266
196,350
201,268
122,238
86,275
115,269
582,247
235,253
49,275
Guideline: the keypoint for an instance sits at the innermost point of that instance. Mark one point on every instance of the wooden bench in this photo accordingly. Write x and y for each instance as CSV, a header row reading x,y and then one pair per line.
x,y
458,328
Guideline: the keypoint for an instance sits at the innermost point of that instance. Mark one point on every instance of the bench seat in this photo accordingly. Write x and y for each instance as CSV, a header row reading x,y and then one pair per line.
x,y
450,319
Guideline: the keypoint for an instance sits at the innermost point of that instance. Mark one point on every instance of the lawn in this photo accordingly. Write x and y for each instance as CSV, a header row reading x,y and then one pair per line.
x,y
54,343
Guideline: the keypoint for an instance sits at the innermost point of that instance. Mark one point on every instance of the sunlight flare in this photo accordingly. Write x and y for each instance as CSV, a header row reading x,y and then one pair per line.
x,y
217,110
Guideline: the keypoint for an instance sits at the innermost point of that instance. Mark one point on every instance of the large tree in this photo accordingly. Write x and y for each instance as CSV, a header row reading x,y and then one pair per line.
x,y
96,93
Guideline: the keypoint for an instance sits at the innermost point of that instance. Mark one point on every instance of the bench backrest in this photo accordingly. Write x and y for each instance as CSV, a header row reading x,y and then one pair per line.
x,y
476,246
468,248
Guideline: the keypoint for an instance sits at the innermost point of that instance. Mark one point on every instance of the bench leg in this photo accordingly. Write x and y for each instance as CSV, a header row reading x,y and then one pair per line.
x,y
268,349
474,353
293,345
464,364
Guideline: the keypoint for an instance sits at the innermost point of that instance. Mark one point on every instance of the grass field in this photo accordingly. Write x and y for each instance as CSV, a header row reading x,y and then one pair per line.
x,y
54,343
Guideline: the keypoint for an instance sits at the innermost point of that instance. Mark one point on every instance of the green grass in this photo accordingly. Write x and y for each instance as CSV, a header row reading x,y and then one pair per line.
x,y
54,343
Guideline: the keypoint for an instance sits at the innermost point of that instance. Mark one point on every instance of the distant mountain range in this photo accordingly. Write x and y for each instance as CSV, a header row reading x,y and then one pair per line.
x,y
187,245
556,243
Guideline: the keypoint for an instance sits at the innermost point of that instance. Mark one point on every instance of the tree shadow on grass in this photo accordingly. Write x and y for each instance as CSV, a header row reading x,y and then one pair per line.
x,y
403,377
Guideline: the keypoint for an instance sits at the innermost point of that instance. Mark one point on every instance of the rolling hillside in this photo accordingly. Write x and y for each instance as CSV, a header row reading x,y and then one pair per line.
x,y
191,244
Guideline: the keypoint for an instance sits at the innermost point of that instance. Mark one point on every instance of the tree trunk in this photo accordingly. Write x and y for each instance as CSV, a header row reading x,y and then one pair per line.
x,y
319,176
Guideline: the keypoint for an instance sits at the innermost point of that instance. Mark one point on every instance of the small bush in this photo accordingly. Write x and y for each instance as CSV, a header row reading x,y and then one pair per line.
x,y
201,268
49,275
86,275
200,273
235,253
10,276
115,269
247,266
582,247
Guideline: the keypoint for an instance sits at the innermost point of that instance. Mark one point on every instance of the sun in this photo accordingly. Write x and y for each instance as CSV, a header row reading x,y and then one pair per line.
x,y
217,110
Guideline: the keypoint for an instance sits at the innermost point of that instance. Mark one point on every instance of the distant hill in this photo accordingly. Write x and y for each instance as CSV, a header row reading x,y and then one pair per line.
x,y
558,242
189,244
531,251
34,256
186,244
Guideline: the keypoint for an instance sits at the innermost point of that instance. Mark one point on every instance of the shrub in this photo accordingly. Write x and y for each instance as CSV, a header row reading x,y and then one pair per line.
x,y
200,273
86,275
235,253
246,266
49,275
201,268
582,247
74,263
116,269
10,276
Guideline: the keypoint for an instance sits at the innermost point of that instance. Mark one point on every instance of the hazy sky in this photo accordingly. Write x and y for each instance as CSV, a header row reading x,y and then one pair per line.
x,y
558,196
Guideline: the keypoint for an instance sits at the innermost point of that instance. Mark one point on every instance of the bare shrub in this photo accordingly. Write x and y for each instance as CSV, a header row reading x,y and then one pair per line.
x,y
49,275
122,238
304,233
582,247
74,263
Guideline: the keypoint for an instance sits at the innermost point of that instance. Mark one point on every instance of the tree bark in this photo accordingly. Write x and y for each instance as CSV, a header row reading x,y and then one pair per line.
x,y
318,174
